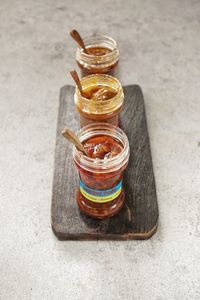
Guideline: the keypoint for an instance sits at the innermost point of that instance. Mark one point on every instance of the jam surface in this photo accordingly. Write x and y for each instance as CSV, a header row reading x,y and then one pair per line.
x,y
100,93
98,51
102,147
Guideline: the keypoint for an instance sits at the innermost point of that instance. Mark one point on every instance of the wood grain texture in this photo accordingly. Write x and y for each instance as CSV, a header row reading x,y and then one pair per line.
x,y
138,219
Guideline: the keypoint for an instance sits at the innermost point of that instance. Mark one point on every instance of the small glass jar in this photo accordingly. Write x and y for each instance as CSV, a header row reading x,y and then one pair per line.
x,y
101,194
106,111
102,59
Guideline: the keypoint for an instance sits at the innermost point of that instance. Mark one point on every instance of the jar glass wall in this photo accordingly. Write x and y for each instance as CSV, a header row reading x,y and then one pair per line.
x,y
100,194
93,111
103,56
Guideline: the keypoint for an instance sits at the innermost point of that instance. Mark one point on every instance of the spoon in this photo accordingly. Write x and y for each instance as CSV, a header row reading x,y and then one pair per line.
x,y
77,81
76,36
69,135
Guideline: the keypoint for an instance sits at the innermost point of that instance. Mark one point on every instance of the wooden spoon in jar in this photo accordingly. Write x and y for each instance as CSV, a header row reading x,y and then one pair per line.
x,y
76,36
78,82
69,135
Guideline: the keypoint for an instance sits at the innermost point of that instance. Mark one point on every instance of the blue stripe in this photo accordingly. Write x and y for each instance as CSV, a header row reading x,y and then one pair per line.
x,y
117,187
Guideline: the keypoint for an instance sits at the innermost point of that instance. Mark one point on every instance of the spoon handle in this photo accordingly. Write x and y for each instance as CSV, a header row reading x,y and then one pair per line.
x,y
77,81
76,36
68,134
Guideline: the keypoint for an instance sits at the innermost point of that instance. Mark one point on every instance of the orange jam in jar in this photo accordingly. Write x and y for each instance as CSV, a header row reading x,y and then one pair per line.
x,y
102,101
100,194
102,56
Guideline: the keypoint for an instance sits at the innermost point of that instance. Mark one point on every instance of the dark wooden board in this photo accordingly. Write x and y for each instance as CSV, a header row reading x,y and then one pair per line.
x,y
138,219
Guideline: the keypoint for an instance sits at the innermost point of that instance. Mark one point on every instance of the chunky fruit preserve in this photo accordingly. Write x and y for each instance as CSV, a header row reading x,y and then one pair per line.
x,y
100,93
100,194
101,58
98,51
102,147
102,100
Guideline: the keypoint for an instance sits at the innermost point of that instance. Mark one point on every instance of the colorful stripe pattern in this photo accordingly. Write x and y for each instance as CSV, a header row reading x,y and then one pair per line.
x,y
100,196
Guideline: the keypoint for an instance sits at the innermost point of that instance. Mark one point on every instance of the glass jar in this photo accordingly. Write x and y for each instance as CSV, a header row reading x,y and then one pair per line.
x,y
103,56
106,111
100,194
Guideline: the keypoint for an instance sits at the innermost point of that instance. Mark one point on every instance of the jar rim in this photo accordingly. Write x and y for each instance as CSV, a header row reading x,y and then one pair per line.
x,y
87,40
100,60
100,165
108,106
87,101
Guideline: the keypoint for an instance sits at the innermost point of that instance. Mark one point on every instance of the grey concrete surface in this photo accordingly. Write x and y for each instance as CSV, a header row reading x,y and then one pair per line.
x,y
160,50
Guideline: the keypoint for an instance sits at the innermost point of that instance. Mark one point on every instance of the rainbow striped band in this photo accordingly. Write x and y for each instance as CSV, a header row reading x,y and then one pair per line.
x,y
100,196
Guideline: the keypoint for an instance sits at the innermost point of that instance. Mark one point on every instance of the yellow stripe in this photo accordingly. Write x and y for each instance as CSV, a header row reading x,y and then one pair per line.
x,y
100,199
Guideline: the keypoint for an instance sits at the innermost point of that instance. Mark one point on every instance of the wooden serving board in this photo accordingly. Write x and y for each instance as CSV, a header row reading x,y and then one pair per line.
x,y
138,219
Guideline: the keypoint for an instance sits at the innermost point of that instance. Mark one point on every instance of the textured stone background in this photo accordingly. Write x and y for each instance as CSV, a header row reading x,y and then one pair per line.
x,y
160,50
